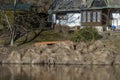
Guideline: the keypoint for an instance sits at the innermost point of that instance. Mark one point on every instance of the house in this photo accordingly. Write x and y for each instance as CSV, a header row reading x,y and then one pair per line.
x,y
65,12
100,14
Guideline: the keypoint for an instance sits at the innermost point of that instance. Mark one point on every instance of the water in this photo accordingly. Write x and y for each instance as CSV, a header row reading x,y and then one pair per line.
x,y
59,72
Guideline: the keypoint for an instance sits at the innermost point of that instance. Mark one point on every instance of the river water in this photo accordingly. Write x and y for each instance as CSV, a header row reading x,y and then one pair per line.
x,y
59,72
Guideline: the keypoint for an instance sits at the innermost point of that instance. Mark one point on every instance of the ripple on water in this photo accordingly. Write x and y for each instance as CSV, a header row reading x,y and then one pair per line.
x,y
59,72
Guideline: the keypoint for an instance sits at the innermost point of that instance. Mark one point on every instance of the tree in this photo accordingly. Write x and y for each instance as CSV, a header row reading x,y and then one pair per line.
x,y
19,23
14,26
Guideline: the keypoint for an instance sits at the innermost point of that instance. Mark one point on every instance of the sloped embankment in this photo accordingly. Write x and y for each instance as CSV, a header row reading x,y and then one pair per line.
x,y
62,53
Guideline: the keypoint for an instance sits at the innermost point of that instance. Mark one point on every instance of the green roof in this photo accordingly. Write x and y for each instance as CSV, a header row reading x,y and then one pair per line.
x,y
105,3
18,6
77,5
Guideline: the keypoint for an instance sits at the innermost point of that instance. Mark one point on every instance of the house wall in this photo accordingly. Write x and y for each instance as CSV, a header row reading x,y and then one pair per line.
x,y
108,17
97,18
116,20
68,19
74,19
54,18
92,18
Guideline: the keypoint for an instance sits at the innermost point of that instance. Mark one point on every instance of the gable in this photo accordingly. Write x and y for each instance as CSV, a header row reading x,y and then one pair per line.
x,y
99,3
59,5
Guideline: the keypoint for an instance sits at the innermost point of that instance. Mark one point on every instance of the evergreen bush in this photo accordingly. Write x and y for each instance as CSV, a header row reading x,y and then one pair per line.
x,y
85,34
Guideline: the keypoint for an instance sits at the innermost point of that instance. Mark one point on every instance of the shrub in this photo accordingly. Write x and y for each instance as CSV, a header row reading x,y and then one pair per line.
x,y
85,34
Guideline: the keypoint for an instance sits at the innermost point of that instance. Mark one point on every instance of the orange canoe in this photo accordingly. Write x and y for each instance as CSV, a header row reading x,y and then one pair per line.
x,y
48,43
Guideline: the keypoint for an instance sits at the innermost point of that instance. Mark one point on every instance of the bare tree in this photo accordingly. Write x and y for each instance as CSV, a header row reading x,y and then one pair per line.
x,y
14,26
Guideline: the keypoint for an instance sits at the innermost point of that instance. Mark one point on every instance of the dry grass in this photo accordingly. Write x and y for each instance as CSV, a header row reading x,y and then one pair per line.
x,y
113,43
50,36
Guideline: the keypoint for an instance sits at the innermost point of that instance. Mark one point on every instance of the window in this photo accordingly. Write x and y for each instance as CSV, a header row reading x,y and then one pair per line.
x,y
84,16
94,16
89,16
98,16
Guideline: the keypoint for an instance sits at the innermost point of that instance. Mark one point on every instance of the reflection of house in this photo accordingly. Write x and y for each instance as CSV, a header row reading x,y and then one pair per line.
x,y
91,13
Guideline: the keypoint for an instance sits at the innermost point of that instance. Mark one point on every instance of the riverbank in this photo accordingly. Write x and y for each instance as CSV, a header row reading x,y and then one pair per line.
x,y
97,52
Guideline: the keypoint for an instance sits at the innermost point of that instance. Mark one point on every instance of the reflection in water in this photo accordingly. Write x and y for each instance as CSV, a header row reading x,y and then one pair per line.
x,y
59,72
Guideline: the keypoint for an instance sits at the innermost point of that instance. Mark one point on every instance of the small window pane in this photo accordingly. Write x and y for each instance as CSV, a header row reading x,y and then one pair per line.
x,y
99,16
94,16
88,16
84,16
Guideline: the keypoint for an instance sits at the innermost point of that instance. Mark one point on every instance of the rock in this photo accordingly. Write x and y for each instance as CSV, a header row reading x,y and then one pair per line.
x,y
80,46
87,58
91,48
13,57
104,56
51,60
67,45
99,44
44,58
48,51
79,56
40,49
31,57
4,50
84,51
117,59
63,53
